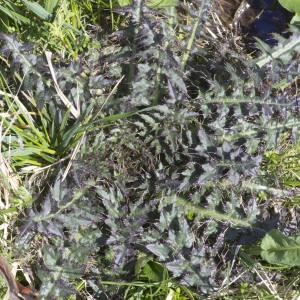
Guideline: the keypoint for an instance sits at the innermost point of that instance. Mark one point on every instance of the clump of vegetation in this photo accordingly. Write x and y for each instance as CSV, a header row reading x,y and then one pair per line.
x,y
145,168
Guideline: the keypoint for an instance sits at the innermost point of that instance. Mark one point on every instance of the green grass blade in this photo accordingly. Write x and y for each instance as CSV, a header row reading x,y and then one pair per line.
x,y
14,15
50,5
37,9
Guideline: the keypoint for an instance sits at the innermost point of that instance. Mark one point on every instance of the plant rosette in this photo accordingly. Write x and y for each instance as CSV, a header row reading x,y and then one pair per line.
x,y
294,7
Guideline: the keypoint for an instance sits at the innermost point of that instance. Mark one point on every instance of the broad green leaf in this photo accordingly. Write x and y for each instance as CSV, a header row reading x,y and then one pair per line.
x,y
291,5
154,271
142,260
276,248
37,9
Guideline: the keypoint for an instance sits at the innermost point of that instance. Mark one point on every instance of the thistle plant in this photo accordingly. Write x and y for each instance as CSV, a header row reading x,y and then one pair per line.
x,y
162,155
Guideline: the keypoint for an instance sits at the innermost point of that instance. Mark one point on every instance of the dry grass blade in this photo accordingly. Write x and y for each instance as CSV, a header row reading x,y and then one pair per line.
x,y
74,111
9,183
9,180
7,173
74,153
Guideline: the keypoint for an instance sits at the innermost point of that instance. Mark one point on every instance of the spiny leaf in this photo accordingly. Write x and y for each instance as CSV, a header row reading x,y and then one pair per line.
x,y
160,250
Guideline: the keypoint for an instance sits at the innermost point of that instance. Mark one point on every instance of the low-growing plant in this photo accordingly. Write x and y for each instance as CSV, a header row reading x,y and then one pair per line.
x,y
37,138
154,282
284,165
58,25
170,165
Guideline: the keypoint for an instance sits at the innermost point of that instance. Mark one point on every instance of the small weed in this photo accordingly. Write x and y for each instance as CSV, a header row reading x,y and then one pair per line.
x,y
284,165
154,282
